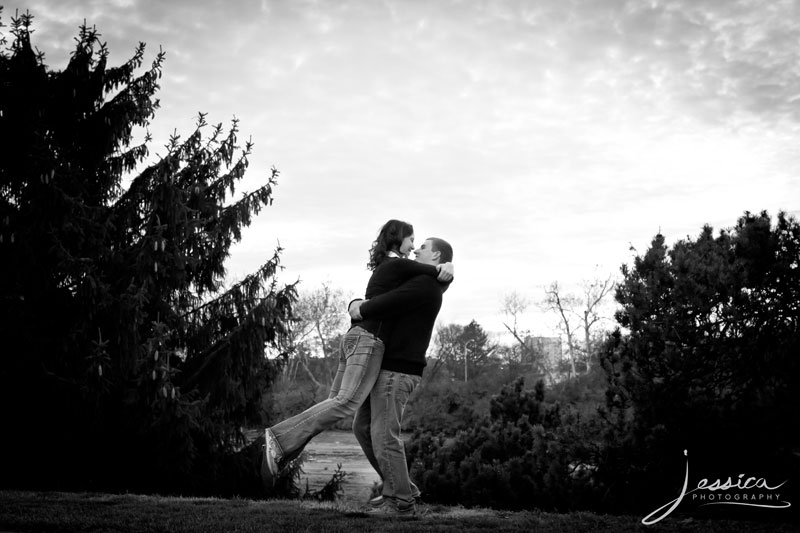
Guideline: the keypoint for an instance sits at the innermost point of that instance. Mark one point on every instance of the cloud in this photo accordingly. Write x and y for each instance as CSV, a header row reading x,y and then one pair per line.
x,y
541,136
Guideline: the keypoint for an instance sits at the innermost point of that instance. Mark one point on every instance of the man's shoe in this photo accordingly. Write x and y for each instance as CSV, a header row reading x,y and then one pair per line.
x,y
377,501
389,509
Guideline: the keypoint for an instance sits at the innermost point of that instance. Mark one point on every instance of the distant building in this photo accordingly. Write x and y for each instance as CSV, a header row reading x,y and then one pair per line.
x,y
549,347
544,355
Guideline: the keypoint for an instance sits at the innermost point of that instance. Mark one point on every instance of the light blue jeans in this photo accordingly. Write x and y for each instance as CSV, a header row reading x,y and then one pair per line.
x,y
377,425
360,356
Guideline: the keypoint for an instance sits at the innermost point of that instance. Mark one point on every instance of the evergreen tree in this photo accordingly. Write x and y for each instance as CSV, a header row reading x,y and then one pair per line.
x,y
127,364
464,350
710,361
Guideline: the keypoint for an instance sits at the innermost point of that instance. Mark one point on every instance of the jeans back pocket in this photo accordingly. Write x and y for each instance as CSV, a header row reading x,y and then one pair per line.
x,y
349,344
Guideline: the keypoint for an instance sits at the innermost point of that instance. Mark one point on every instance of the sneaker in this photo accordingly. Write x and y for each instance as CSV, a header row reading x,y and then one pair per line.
x,y
269,464
377,501
388,509
267,479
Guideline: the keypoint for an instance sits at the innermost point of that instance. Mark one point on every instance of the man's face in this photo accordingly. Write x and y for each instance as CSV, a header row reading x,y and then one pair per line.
x,y
425,254
407,246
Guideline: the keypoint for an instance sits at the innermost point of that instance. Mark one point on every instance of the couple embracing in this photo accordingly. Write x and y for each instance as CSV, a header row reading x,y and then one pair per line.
x,y
381,359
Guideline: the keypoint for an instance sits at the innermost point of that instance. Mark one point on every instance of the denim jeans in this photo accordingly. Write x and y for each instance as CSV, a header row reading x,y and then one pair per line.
x,y
377,427
360,356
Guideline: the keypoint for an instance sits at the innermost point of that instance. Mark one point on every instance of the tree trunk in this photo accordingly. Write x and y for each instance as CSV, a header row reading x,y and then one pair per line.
x,y
588,340
571,351
310,374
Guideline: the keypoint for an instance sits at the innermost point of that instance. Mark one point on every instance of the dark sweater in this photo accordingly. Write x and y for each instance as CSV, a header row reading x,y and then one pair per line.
x,y
410,312
387,276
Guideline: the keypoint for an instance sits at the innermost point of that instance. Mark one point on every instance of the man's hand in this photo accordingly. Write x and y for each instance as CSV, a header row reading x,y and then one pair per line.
x,y
355,309
445,272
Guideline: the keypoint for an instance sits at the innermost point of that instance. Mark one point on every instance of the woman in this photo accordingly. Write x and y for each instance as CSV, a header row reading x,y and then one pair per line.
x,y
360,351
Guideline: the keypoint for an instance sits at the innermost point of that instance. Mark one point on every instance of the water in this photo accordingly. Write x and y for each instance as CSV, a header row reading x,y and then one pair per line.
x,y
324,453
330,448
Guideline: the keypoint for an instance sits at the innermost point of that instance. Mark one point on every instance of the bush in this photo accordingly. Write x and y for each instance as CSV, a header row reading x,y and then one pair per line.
x,y
444,402
526,453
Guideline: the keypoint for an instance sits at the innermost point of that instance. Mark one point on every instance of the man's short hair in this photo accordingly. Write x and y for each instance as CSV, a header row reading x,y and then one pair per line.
x,y
444,249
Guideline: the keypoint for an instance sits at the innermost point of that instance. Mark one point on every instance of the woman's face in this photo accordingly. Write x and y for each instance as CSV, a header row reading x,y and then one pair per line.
x,y
407,246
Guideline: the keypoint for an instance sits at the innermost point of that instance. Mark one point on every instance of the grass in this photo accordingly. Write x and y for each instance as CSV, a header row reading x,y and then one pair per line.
x,y
58,511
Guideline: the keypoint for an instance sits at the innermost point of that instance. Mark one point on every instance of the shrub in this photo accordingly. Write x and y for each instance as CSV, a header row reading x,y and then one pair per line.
x,y
524,454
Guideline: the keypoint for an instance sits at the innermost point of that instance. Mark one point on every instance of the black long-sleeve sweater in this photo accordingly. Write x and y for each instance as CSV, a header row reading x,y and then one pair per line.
x,y
390,274
408,314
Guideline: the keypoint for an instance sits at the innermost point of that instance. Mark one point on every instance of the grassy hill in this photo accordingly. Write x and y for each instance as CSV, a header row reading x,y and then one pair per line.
x,y
49,511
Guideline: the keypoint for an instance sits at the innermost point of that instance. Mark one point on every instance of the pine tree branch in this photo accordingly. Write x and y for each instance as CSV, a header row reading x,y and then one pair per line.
x,y
252,325
249,286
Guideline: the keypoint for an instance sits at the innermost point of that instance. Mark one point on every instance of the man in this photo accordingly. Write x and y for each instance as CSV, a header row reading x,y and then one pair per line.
x,y
410,313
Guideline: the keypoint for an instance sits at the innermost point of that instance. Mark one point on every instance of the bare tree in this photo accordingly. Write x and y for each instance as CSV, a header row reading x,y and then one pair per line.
x,y
562,303
320,316
513,306
579,315
594,293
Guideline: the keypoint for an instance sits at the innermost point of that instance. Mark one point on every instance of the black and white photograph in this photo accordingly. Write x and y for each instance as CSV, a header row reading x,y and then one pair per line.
x,y
400,265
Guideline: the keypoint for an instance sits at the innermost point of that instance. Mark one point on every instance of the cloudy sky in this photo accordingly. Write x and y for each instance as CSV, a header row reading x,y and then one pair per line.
x,y
544,139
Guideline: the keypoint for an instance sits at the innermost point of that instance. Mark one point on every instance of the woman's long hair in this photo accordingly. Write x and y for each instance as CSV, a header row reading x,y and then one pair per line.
x,y
390,237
